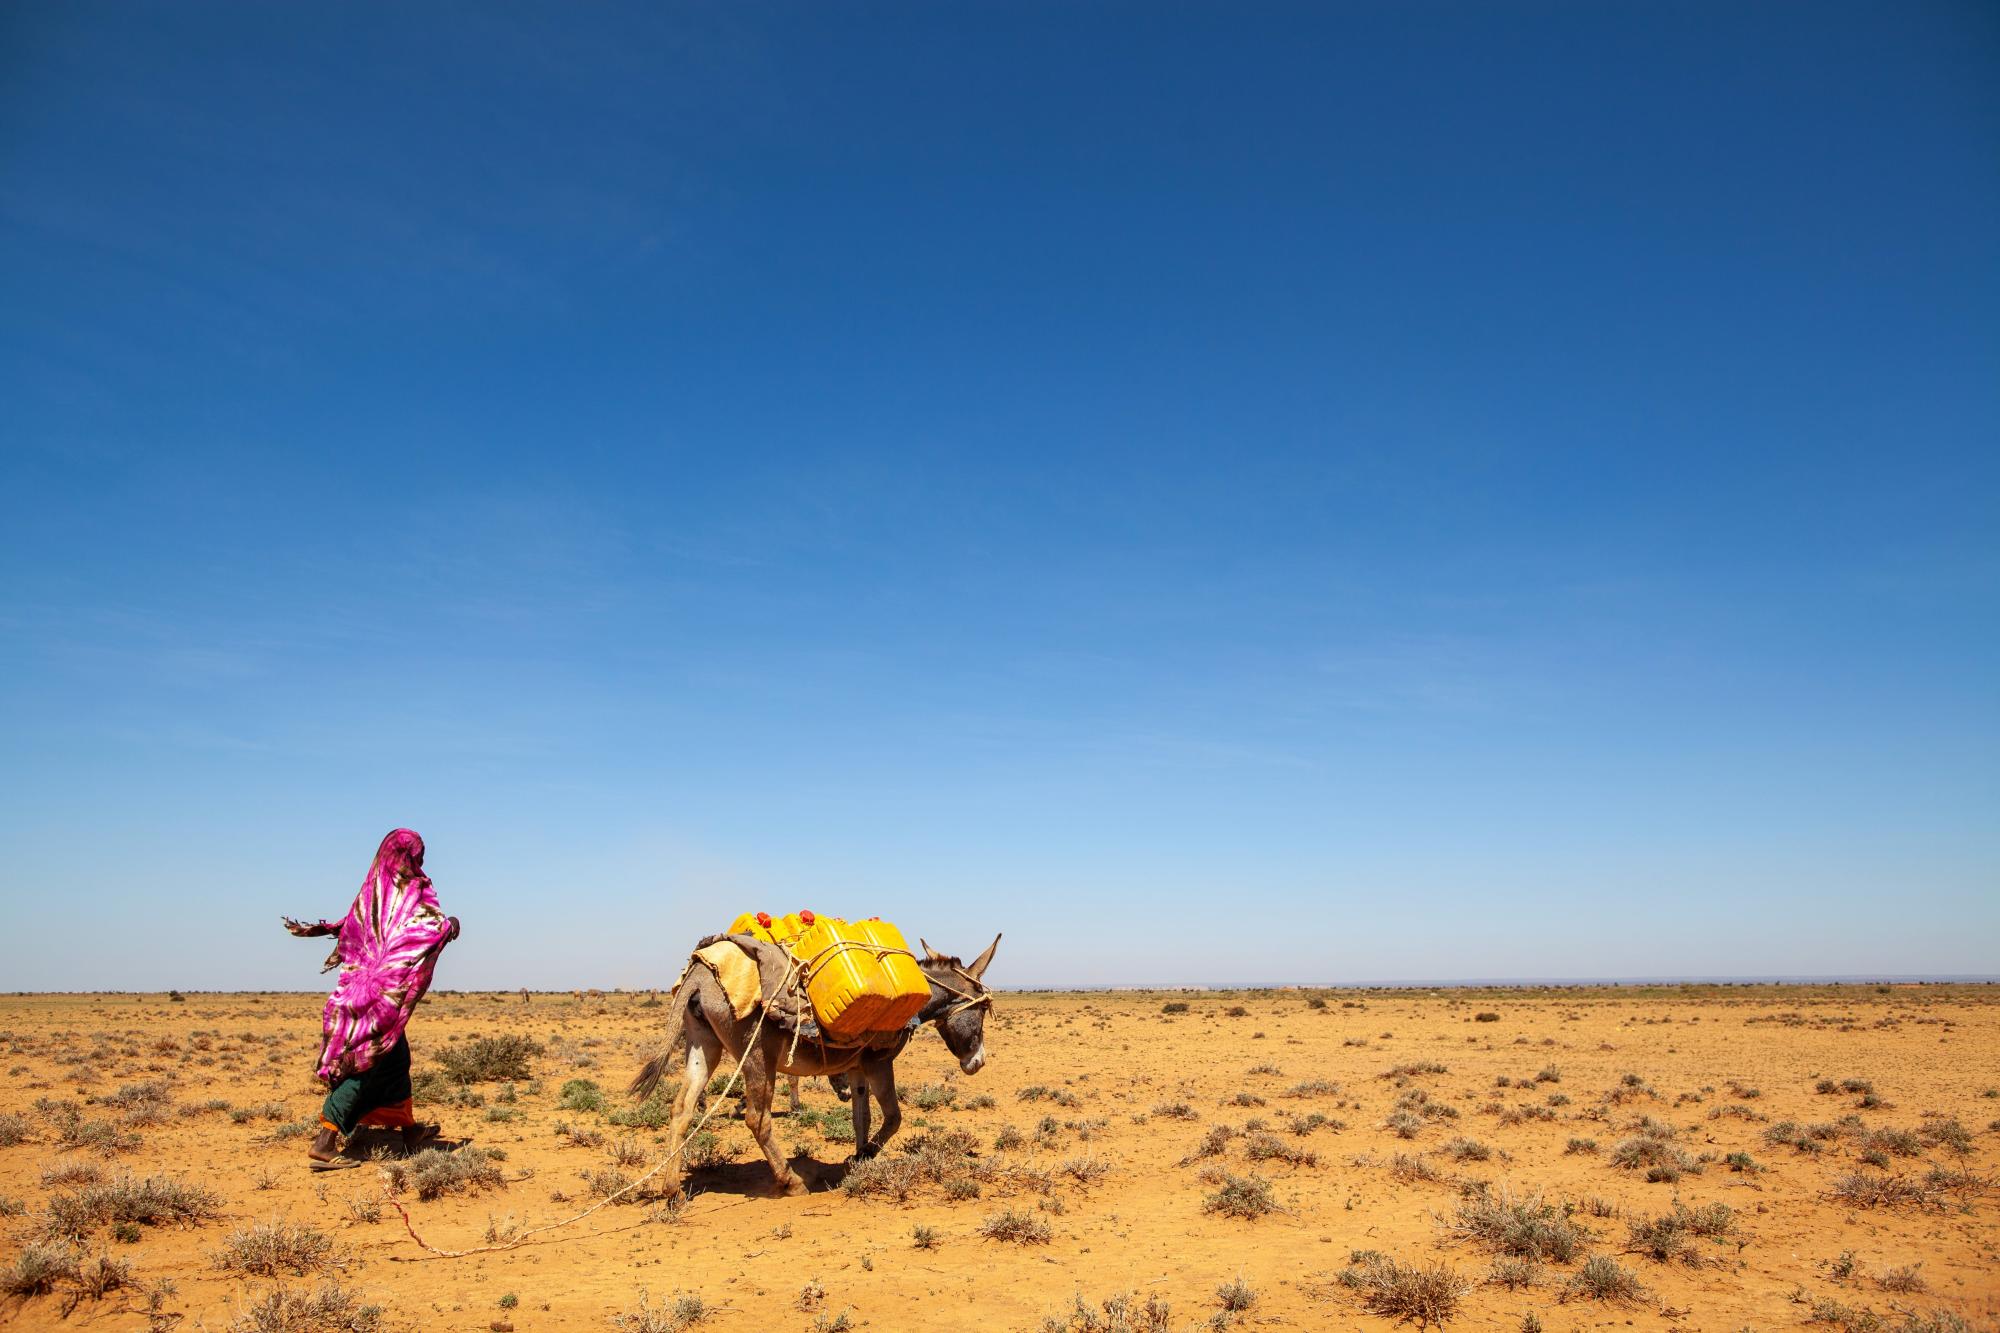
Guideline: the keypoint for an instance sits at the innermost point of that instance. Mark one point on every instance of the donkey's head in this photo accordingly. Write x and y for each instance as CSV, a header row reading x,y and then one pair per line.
x,y
958,1004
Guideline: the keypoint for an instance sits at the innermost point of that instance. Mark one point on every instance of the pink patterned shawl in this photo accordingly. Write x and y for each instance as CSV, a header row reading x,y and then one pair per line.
x,y
389,945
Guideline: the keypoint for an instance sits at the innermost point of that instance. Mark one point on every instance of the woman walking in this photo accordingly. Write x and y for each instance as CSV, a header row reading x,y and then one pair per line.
x,y
388,946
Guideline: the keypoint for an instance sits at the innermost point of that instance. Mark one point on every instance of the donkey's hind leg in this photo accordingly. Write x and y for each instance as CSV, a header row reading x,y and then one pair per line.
x,y
704,1053
760,1081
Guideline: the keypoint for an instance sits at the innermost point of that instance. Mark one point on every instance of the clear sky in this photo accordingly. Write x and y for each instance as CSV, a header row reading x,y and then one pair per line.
x,y
1216,492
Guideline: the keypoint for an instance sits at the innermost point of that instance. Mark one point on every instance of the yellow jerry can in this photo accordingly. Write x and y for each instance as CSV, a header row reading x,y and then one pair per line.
x,y
754,923
840,974
909,988
850,978
792,926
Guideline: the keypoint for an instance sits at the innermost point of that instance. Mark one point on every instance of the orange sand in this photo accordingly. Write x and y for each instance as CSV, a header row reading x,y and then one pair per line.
x,y
1138,1228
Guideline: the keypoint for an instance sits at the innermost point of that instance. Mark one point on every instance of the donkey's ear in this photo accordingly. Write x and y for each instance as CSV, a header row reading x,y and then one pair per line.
x,y
978,968
930,955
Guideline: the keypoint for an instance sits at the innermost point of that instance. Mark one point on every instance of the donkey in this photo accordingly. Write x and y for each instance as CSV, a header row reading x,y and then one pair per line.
x,y
700,1014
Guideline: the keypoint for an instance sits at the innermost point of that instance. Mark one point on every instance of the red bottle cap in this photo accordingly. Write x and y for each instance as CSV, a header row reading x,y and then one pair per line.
x,y
764,920
805,915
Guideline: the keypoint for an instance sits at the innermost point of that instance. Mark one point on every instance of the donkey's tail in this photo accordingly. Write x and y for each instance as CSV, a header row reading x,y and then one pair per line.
x,y
647,1080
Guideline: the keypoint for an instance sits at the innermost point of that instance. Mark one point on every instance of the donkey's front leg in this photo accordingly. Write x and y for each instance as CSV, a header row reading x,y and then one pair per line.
x,y
857,1102
879,1077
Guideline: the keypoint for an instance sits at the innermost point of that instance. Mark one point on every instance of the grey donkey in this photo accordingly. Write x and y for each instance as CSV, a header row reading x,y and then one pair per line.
x,y
701,1015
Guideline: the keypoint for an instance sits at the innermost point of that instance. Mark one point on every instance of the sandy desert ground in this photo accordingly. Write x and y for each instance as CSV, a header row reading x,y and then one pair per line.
x,y
1693,1158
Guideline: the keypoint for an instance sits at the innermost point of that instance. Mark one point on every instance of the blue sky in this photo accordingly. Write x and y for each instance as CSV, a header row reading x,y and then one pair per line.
x,y
1219,493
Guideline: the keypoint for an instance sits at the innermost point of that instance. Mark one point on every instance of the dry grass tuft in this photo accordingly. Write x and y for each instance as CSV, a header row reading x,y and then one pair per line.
x,y
1241,1196
1671,1237
1528,1227
266,1249
153,1201
1016,1226
329,1308
685,1311
39,1266
1603,1278
1403,1291
434,1172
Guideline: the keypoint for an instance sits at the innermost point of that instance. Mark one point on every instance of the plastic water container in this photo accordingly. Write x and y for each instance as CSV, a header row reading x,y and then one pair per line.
x,y
909,988
852,980
841,977
758,924
792,926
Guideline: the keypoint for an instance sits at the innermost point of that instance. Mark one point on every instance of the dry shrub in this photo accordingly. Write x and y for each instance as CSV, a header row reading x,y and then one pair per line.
x,y
1529,1227
606,1182
329,1308
1267,1147
1085,1170
932,1096
267,1248
1413,1069
153,1201
70,1174
1117,1314
1418,1102
894,1177
1212,1144
1945,1132
1017,1226
1663,1161
1851,1319
434,1172
39,1266
1236,1295
703,1148
1866,1189
1809,1139
1403,1291
13,1130
99,1136
1317,1087
490,1059
1602,1278
940,1158
1409,1170
1671,1236
1241,1196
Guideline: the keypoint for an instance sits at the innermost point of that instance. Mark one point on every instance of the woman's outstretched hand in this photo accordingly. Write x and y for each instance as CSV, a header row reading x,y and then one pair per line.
x,y
304,931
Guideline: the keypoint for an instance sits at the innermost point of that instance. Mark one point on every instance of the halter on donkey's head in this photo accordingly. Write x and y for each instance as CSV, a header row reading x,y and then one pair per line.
x,y
976,995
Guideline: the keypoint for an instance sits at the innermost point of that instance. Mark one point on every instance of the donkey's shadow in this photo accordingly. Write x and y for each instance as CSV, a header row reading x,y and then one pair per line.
x,y
752,1180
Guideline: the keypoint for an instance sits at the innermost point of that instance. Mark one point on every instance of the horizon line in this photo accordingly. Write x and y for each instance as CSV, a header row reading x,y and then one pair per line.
x,y
1462,983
